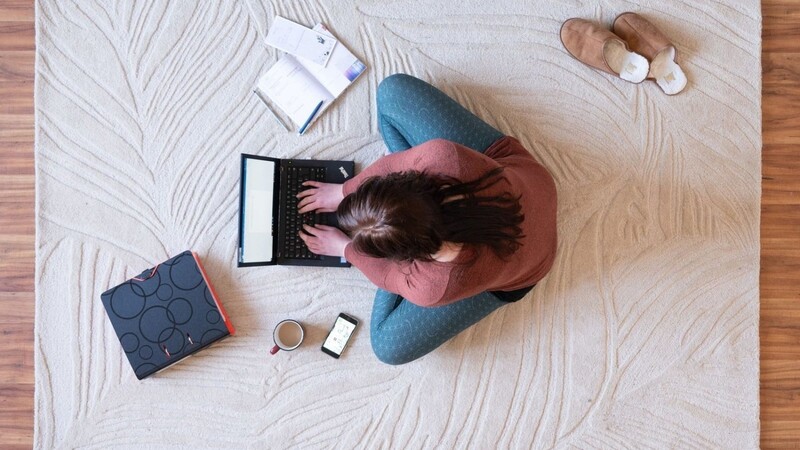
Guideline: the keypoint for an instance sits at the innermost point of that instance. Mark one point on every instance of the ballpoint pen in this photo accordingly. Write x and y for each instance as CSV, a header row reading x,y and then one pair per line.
x,y
308,121
258,93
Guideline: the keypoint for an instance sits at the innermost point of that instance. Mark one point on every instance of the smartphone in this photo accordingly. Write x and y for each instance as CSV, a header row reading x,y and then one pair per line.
x,y
339,336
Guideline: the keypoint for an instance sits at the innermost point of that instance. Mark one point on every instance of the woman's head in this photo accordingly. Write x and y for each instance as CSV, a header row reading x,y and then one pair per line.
x,y
396,216
407,216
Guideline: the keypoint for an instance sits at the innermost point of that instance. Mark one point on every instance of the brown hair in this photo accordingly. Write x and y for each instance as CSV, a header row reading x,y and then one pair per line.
x,y
407,216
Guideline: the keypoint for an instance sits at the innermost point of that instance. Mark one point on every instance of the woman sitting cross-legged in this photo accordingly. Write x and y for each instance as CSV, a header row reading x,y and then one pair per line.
x,y
457,221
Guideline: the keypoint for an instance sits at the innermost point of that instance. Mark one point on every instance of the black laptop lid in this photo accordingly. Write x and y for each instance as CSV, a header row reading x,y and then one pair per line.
x,y
258,210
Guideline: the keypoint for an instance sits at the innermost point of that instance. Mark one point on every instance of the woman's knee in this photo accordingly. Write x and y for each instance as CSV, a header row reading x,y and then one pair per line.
x,y
397,84
389,354
387,357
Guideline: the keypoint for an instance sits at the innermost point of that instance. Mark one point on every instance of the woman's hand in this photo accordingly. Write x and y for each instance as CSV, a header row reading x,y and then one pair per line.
x,y
324,240
320,197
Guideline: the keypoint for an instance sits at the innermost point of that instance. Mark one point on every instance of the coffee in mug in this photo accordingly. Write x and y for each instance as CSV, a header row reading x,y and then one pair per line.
x,y
288,335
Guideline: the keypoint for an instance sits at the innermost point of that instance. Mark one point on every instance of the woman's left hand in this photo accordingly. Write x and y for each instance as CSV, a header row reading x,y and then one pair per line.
x,y
324,240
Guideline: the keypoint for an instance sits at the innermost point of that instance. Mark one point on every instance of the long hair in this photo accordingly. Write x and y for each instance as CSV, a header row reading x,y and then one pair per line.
x,y
407,216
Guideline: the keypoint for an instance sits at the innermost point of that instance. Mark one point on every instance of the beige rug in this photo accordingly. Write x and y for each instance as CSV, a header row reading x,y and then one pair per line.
x,y
645,333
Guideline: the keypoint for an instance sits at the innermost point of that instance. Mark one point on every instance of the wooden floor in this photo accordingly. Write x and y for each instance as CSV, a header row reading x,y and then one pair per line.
x,y
16,223
780,225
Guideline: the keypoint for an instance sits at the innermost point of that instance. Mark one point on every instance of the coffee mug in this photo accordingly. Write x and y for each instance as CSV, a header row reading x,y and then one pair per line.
x,y
288,335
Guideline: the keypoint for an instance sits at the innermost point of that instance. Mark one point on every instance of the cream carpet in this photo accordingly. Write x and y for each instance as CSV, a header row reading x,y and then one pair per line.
x,y
645,333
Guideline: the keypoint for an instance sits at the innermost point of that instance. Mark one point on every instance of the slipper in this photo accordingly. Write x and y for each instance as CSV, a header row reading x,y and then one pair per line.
x,y
599,48
644,38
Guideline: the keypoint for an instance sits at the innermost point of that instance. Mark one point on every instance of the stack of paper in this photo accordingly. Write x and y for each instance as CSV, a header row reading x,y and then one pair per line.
x,y
302,87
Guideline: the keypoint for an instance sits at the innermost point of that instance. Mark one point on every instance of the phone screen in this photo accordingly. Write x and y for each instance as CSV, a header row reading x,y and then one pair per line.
x,y
339,335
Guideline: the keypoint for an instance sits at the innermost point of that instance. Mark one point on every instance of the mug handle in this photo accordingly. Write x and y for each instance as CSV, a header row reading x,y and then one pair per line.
x,y
274,350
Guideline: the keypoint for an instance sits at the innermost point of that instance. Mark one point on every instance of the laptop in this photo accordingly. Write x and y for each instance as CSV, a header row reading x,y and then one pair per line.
x,y
268,219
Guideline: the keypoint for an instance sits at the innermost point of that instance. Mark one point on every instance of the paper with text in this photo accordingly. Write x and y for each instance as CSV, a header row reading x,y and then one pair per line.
x,y
298,40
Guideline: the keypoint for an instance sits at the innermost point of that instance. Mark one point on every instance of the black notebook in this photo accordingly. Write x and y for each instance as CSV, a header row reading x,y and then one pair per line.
x,y
166,313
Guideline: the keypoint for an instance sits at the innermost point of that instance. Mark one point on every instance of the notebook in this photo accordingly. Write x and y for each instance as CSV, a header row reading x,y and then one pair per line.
x,y
165,314
269,222
298,91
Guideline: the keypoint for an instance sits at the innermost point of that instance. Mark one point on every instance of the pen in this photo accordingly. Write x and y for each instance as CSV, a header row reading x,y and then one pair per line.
x,y
313,113
258,93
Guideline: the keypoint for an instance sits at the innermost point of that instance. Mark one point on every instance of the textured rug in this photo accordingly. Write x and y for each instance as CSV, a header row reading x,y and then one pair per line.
x,y
645,333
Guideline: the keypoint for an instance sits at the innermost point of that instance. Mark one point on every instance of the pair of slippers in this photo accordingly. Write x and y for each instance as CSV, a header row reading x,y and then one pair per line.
x,y
635,51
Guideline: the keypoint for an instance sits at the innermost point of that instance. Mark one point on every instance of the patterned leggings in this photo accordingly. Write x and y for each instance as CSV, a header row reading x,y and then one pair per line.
x,y
410,112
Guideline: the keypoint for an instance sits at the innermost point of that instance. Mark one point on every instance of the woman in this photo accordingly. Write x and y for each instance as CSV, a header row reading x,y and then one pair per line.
x,y
457,221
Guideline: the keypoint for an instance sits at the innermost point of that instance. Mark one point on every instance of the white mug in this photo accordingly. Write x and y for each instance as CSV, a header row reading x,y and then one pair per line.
x,y
288,335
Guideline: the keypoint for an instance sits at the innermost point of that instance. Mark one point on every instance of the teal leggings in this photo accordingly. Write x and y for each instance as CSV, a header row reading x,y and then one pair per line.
x,y
410,112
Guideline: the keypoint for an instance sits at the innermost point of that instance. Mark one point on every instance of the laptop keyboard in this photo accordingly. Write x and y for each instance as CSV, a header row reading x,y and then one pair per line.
x,y
293,246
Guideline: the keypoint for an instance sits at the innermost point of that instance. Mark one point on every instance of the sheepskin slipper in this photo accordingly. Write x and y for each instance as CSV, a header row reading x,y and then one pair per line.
x,y
603,50
644,38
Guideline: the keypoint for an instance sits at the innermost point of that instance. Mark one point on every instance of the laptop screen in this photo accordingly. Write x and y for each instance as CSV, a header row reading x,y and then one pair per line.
x,y
258,208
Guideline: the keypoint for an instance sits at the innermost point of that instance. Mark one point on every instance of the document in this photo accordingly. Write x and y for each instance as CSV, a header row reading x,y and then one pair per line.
x,y
297,85
300,41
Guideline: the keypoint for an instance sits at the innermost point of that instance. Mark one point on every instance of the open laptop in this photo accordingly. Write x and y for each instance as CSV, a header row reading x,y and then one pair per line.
x,y
268,218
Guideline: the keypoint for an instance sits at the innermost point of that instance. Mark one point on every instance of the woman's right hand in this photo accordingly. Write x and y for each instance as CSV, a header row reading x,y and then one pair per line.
x,y
320,197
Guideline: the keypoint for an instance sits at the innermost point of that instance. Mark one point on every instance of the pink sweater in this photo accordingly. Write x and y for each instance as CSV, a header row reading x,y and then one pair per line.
x,y
475,269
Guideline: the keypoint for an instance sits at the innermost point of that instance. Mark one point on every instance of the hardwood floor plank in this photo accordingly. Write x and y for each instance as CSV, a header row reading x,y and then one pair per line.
x,y
781,95
783,219
16,415
777,156
17,10
16,222
780,434
16,263
15,159
14,364
16,189
779,25
780,70
17,36
781,116
17,96
16,65
18,225
780,233
18,308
